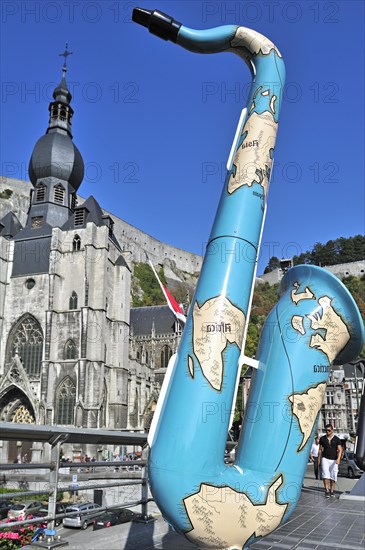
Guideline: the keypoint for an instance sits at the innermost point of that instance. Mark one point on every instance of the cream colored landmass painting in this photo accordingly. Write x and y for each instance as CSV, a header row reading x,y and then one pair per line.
x,y
216,323
253,41
305,407
297,324
332,335
296,296
253,157
224,518
336,334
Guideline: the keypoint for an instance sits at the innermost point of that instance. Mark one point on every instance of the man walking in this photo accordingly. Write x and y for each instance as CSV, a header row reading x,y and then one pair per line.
x,y
329,456
314,455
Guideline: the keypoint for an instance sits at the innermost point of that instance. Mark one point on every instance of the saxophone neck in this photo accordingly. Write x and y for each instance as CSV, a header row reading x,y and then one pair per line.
x,y
246,43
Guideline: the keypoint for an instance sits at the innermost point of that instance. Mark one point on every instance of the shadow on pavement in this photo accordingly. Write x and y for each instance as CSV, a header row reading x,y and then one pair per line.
x,y
140,534
174,541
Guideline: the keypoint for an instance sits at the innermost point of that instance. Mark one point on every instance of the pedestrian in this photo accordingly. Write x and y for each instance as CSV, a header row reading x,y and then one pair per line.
x,y
329,456
314,455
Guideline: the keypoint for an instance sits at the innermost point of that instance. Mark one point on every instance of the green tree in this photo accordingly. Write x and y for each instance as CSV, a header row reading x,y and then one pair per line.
x,y
145,281
356,286
274,263
338,251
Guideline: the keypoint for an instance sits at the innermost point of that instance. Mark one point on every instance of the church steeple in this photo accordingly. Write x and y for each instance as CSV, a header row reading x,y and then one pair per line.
x,y
60,110
56,162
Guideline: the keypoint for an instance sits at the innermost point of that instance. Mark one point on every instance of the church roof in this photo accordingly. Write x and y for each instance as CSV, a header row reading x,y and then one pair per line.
x,y
142,320
10,225
29,232
121,261
55,155
353,369
93,213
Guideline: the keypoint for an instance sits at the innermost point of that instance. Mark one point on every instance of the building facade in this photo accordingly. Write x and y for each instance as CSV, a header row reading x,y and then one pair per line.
x,y
65,305
342,398
341,402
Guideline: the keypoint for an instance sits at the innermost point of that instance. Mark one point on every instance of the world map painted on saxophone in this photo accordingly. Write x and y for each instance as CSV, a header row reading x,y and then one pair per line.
x,y
254,155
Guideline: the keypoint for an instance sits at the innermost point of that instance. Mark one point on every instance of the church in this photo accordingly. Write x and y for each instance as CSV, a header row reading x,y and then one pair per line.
x,y
73,352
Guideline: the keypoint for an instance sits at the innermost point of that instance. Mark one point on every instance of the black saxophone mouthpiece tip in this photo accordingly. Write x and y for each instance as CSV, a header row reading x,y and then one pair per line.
x,y
142,16
157,23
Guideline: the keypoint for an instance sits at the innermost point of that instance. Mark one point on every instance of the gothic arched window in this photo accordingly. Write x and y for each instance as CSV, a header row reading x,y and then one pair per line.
x,y
70,350
66,400
166,353
26,339
73,300
76,243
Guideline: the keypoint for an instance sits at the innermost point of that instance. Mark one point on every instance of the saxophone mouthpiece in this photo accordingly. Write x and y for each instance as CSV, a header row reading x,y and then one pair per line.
x,y
157,23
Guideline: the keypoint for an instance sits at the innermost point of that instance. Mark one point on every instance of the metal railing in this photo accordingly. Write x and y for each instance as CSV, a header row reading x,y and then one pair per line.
x,y
55,436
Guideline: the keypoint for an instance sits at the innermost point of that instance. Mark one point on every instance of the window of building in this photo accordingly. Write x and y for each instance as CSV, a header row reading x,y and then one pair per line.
x,y
166,353
54,112
329,397
59,194
79,216
26,339
40,192
29,283
37,221
73,300
76,243
70,350
73,201
66,400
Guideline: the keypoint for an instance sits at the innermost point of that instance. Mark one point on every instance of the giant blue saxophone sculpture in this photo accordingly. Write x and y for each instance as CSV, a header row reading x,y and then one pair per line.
x,y
315,323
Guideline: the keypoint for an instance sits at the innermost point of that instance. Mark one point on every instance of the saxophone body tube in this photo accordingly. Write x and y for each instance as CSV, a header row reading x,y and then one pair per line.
x,y
314,324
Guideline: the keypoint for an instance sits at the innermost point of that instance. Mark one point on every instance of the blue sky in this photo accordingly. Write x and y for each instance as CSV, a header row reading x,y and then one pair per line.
x,y
155,123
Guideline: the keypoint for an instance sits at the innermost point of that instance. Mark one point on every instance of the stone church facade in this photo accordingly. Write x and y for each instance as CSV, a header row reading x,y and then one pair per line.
x,y
67,356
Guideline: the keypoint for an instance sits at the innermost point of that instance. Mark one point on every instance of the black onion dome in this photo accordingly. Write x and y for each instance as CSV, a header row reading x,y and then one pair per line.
x,y
56,155
61,92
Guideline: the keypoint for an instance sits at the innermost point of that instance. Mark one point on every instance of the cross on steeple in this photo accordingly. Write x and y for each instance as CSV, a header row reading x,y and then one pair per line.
x,y
65,54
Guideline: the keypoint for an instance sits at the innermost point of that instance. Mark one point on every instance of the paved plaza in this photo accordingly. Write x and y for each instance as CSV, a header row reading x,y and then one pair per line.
x,y
316,524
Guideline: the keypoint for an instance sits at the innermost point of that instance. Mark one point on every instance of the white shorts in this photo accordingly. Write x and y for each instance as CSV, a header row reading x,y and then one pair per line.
x,y
329,469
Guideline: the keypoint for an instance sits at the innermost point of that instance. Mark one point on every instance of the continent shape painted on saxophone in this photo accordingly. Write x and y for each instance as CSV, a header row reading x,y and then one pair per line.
x,y
254,155
331,333
222,517
305,407
216,323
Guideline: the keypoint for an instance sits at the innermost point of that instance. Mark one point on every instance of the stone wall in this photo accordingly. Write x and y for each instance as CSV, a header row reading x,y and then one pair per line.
x,y
132,240
341,271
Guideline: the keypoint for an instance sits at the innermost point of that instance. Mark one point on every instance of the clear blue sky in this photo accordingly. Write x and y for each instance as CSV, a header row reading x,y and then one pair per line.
x,y
155,123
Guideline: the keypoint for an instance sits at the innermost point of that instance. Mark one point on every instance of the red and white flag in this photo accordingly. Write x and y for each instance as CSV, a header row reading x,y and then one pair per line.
x,y
171,302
